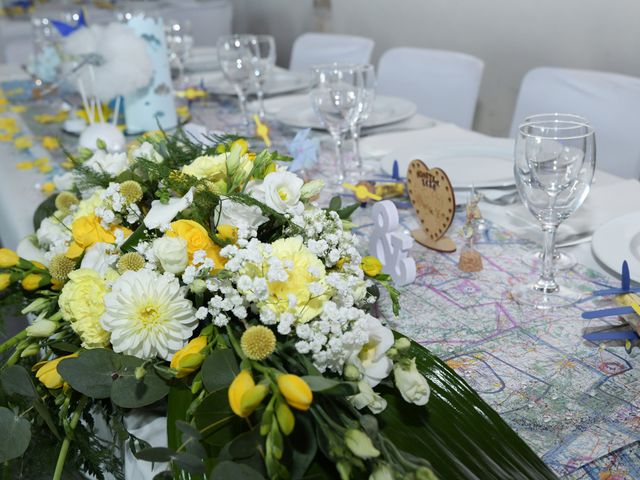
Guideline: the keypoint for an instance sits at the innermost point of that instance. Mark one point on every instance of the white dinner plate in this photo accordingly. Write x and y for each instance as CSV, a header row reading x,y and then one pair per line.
x,y
298,112
278,82
619,240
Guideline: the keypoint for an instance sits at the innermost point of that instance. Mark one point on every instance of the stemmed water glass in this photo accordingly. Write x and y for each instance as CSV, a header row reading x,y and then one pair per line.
x,y
561,260
336,92
179,43
236,57
554,166
368,82
264,50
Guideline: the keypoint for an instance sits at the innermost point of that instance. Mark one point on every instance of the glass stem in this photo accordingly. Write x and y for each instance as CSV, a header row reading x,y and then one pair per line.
x,y
242,100
260,95
342,174
355,134
547,283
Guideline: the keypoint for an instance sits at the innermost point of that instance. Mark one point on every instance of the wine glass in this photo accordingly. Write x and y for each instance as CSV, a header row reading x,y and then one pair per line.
x,y
554,165
179,43
335,96
368,82
561,260
236,57
264,49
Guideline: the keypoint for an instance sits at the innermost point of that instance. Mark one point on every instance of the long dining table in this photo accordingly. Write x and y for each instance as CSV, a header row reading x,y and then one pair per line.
x,y
574,402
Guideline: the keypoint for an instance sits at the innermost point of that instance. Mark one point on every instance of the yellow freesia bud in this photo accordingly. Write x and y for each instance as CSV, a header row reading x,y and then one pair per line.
x,y
252,398
8,258
188,359
48,373
33,281
240,385
285,418
5,281
295,391
243,144
228,233
371,266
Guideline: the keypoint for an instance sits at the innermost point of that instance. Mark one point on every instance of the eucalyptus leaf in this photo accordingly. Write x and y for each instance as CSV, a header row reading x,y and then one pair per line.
x,y
215,420
91,373
155,454
245,445
16,435
189,462
335,203
328,386
16,381
219,369
237,471
44,210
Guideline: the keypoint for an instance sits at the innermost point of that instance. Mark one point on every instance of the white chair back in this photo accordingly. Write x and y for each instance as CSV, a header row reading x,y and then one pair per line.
x,y
609,101
311,49
444,85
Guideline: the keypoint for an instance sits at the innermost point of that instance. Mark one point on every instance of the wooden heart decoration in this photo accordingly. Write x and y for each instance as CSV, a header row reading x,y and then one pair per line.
x,y
434,201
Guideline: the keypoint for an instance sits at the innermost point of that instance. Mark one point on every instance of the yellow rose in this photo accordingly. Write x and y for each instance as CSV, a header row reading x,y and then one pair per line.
x,y
207,166
188,359
5,281
8,258
82,304
295,391
197,238
48,373
33,281
240,385
86,231
371,266
308,306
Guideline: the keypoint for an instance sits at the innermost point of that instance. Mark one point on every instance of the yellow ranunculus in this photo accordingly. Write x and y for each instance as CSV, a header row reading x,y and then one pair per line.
x,y
228,233
295,391
371,266
33,281
86,231
207,166
197,238
188,359
48,373
240,385
5,281
308,306
82,304
8,258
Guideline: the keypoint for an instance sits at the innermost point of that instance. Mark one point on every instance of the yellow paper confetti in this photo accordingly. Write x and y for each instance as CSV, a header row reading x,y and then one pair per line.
x,y
50,143
22,143
68,165
61,116
361,192
24,165
18,108
9,125
3,101
14,91
48,187
262,130
6,137
45,168
191,93
183,111
38,162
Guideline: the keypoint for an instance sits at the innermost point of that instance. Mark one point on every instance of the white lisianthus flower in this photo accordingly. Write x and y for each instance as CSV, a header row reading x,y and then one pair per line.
x,y
372,360
42,328
282,192
65,181
240,215
311,189
99,257
411,383
111,163
147,152
172,254
148,315
368,398
382,471
255,190
52,232
163,213
29,250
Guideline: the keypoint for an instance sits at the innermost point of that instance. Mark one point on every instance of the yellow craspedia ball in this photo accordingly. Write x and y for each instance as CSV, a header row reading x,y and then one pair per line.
x,y
131,191
8,258
66,200
60,267
82,304
258,342
130,261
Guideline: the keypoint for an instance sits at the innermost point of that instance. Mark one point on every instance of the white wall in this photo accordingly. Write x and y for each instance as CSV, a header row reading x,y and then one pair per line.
x,y
511,36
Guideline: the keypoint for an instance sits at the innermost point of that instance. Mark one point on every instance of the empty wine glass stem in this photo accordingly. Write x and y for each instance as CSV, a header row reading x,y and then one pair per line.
x,y
260,95
547,283
342,174
242,100
355,134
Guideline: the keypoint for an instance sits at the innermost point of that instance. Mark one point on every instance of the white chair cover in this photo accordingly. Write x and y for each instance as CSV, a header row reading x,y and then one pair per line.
x,y
444,85
609,101
311,49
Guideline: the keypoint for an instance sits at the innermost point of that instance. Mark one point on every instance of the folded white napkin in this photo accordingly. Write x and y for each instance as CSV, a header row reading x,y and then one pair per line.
x,y
603,203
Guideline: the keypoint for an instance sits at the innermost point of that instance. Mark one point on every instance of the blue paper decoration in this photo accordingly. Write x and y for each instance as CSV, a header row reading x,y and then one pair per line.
x,y
66,29
304,150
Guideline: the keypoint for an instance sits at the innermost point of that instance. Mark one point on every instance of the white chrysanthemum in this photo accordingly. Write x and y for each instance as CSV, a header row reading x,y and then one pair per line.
x,y
148,315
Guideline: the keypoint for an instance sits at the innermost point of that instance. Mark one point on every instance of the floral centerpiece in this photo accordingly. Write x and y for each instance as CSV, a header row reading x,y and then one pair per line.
x,y
204,282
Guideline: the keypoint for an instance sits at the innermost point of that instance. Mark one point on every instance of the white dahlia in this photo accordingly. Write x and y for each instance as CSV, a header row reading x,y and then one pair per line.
x,y
148,315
